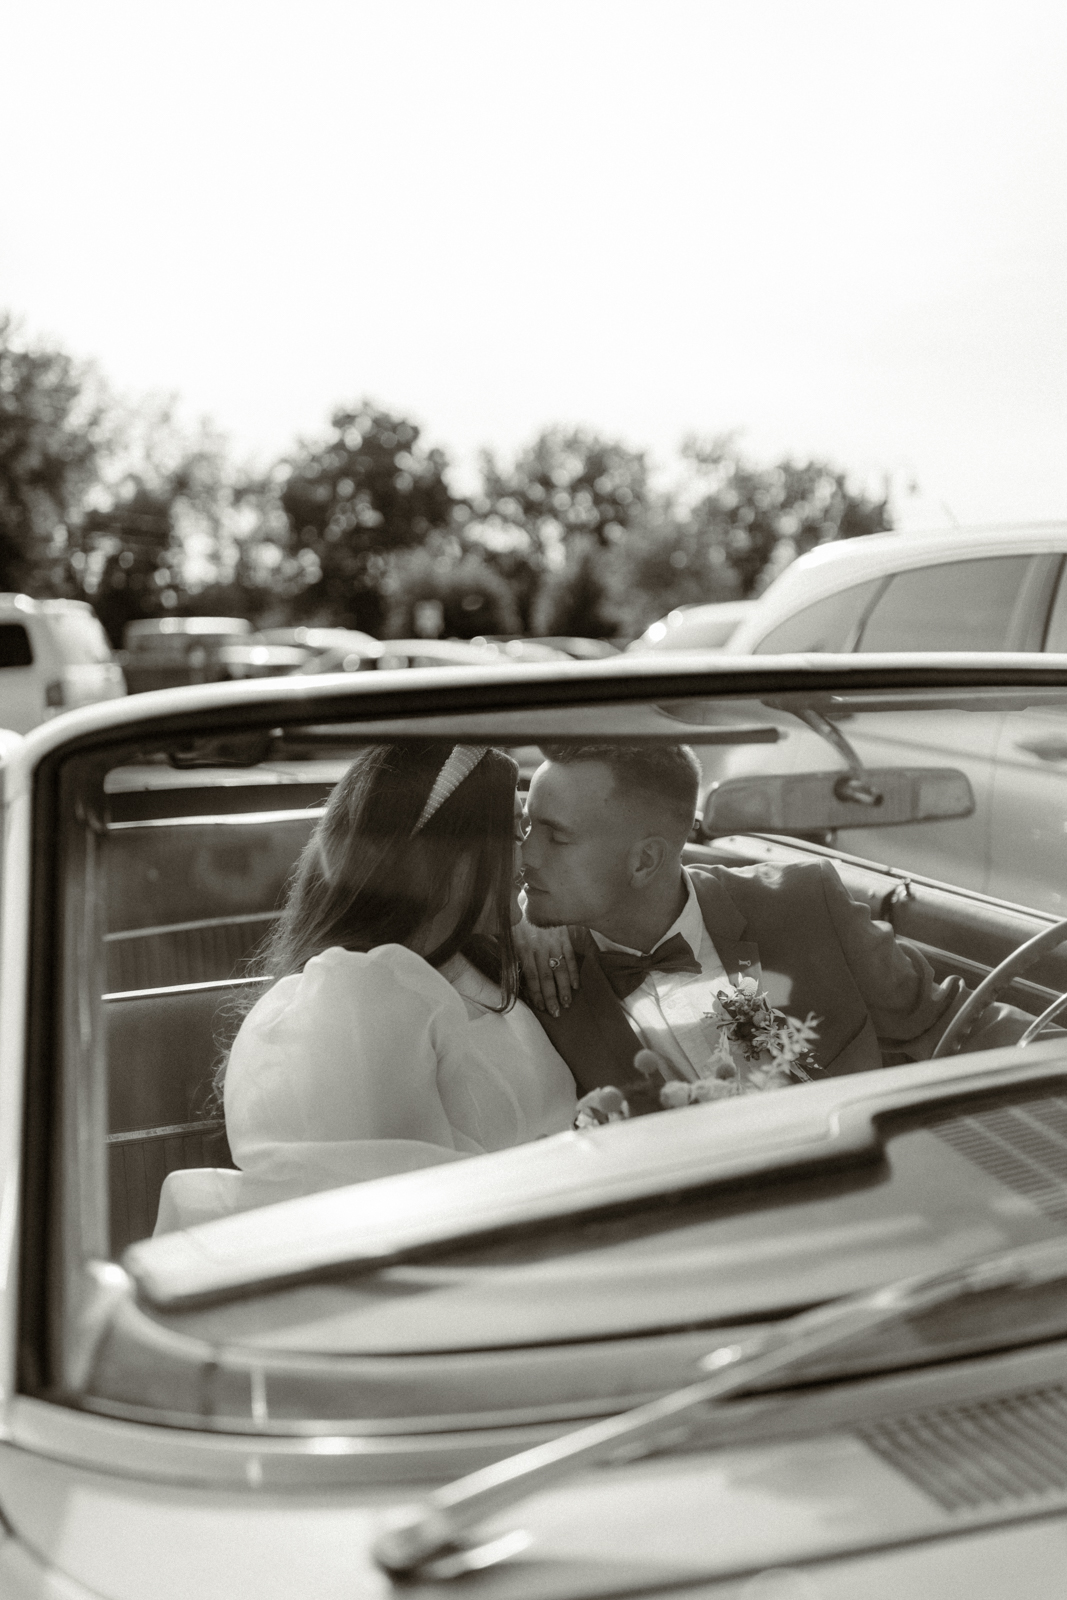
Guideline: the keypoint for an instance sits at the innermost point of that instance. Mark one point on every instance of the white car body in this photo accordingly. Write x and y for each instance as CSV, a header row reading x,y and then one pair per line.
x,y
828,600
842,565
54,656
799,1497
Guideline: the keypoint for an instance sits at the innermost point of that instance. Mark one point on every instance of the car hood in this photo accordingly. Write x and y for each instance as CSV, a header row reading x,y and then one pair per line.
x,y
370,1225
824,1516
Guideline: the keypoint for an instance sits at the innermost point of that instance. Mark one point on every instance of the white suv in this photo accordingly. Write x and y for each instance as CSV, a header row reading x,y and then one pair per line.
x,y
54,655
959,589
1001,589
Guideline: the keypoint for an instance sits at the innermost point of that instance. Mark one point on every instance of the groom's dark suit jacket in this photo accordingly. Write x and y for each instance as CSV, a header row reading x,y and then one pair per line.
x,y
813,949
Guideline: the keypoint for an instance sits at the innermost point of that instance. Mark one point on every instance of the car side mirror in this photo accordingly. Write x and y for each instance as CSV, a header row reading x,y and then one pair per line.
x,y
813,802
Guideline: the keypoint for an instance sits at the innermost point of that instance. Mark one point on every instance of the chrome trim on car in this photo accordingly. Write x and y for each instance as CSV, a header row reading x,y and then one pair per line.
x,y
192,927
227,819
165,1451
181,988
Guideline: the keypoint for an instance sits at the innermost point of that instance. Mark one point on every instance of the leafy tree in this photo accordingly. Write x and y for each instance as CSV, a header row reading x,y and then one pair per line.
x,y
163,533
350,504
575,600
663,562
512,553
475,599
730,527
762,517
568,483
126,550
52,431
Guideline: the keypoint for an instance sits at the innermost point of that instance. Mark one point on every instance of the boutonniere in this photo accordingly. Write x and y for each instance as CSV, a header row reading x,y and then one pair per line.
x,y
779,1047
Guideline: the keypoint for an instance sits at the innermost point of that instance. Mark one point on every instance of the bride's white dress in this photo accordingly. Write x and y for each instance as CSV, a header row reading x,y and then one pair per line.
x,y
367,1064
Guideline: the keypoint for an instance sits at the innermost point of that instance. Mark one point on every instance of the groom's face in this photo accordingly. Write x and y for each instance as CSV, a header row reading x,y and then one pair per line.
x,y
576,854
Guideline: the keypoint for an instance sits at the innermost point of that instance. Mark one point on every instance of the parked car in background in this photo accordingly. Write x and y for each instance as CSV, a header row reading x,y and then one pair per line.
x,y
995,589
54,655
258,660
170,652
574,645
699,627
393,654
313,641
248,1408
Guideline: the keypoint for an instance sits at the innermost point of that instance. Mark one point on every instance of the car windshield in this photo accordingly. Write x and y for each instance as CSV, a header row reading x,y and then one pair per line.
x,y
400,1037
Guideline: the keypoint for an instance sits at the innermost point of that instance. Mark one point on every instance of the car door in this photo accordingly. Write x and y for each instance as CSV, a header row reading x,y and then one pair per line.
x,y
983,603
1028,856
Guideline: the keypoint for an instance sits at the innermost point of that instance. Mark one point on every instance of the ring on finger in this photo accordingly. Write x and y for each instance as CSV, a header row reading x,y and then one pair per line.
x,y
554,962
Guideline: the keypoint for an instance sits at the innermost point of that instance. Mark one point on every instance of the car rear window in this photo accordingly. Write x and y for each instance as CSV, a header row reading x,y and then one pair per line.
x,y
828,625
15,647
963,605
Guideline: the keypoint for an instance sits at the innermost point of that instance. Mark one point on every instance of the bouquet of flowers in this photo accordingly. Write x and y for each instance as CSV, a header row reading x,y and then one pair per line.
x,y
778,1046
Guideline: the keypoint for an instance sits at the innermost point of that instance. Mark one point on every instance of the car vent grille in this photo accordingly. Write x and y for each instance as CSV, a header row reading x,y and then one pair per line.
x,y
973,1456
1024,1147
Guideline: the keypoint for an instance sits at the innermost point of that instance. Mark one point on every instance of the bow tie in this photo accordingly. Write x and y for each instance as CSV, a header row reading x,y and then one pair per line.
x,y
625,972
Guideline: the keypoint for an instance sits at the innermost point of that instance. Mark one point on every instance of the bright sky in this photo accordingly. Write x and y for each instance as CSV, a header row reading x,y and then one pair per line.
x,y
837,225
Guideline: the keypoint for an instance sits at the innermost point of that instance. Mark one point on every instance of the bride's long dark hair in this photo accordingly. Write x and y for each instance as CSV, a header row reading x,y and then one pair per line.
x,y
366,878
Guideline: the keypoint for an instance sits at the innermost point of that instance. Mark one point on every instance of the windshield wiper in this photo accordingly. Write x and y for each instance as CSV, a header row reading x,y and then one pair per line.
x,y
432,1544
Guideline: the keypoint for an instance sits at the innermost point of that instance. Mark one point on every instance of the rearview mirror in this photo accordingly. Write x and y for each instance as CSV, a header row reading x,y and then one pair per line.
x,y
812,802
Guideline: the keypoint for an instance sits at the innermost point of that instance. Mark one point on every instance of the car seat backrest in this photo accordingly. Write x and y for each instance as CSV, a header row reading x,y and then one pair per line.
x,y
191,869
162,1049
208,950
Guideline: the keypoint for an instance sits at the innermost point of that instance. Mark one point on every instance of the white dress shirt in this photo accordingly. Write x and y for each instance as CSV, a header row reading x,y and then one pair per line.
x,y
668,1010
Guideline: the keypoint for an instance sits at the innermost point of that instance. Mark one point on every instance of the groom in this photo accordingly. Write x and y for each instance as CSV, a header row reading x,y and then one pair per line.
x,y
656,941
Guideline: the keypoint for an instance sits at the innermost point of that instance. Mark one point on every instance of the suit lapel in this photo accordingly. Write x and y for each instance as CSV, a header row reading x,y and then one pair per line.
x,y
593,1035
725,925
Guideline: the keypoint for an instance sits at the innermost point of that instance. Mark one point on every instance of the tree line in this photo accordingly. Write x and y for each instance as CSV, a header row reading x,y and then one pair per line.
x,y
573,534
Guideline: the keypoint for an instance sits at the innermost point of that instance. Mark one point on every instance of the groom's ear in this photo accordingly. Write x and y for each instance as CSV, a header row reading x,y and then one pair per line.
x,y
647,857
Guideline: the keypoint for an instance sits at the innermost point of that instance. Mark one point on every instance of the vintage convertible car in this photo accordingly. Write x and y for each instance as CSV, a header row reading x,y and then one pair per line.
x,y
809,1342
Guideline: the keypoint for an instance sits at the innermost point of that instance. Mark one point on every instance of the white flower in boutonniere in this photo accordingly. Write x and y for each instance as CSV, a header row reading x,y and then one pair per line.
x,y
779,1047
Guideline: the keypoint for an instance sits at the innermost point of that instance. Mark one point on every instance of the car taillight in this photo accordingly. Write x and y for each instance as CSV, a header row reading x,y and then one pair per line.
x,y
55,694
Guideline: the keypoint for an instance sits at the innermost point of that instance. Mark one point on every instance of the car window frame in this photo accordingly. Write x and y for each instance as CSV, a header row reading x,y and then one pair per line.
x,y
878,585
1057,591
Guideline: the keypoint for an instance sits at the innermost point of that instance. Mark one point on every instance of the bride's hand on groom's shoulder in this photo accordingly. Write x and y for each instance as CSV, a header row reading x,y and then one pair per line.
x,y
549,966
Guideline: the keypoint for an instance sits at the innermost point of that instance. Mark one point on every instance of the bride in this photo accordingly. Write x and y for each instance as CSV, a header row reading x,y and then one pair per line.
x,y
392,1036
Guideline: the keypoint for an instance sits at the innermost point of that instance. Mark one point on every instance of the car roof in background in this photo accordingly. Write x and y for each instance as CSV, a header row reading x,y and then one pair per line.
x,y
208,627
885,552
842,562
12,604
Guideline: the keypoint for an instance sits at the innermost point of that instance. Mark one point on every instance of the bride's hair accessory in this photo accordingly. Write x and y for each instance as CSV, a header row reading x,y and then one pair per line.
x,y
461,762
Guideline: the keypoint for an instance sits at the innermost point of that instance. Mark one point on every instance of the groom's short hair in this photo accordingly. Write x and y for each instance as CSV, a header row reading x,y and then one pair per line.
x,y
667,775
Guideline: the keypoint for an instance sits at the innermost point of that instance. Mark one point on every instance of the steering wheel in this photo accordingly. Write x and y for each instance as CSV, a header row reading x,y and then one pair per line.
x,y
988,990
